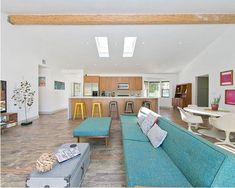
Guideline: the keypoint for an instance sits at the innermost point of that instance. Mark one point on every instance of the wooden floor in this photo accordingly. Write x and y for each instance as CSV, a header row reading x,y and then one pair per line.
x,y
21,146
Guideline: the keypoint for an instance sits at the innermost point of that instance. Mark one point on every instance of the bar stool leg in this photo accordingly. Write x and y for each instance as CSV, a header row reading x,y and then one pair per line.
x,y
100,110
93,108
82,111
78,110
85,110
75,112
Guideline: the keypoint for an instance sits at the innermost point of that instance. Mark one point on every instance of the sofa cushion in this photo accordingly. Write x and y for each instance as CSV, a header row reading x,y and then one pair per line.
x,y
93,127
148,123
197,159
147,166
141,119
132,131
226,175
125,119
156,135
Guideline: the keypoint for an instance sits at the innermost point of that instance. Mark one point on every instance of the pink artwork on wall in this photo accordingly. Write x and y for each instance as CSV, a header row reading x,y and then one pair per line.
x,y
226,78
230,96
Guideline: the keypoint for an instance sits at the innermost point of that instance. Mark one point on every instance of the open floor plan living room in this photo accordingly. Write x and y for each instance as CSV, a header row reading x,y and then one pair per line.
x,y
107,93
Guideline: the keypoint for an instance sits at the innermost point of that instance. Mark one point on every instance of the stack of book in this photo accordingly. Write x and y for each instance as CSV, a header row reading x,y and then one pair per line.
x,y
64,154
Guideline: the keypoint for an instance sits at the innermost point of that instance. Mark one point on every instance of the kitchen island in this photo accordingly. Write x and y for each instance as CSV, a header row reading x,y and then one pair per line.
x,y
105,104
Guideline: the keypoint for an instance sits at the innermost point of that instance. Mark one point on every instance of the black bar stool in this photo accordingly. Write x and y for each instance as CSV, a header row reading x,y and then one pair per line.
x,y
113,108
129,107
147,104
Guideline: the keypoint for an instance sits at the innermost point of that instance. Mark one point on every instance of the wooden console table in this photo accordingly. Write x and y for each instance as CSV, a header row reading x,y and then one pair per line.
x,y
10,120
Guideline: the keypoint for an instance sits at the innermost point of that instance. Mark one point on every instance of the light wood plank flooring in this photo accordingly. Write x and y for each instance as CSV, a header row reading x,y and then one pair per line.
x,y
21,146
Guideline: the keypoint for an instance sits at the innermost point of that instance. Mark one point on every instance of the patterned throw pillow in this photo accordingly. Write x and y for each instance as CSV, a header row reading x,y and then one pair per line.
x,y
156,135
148,123
141,118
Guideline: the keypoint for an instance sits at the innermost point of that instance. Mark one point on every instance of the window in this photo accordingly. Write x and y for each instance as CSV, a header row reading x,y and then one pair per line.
x,y
157,89
165,89
154,89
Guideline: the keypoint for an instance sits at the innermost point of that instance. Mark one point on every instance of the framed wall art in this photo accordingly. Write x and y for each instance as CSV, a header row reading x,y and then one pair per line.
x,y
226,78
59,85
41,81
230,96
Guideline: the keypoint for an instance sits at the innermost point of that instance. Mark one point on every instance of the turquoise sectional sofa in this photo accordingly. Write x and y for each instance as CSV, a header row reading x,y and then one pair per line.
x,y
183,160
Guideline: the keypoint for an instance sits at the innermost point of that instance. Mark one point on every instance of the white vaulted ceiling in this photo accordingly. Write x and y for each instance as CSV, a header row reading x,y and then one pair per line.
x,y
118,6
159,48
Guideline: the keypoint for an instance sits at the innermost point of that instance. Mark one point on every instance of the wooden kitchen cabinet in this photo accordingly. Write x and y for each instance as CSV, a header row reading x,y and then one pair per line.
x,y
138,83
131,81
103,84
91,79
113,83
122,79
110,83
135,83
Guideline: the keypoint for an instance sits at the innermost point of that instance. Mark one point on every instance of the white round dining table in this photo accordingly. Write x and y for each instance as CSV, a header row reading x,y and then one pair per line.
x,y
206,111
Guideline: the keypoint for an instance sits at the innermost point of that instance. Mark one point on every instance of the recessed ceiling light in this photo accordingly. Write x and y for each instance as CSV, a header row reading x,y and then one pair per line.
x,y
129,46
102,46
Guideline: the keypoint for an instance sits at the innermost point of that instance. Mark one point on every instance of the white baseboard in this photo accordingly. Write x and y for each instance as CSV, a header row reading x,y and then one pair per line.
x,y
30,119
51,112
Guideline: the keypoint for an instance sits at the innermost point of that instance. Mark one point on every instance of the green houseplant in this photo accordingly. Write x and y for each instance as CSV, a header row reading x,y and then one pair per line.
x,y
23,98
215,103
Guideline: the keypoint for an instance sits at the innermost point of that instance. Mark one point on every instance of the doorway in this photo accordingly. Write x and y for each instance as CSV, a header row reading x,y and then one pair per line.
x,y
203,91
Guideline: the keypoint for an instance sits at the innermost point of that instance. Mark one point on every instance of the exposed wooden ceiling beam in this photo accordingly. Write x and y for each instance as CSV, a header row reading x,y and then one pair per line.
x,y
122,19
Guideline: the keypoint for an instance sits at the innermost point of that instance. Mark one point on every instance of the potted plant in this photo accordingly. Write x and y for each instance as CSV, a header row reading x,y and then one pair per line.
x,y
215,103
23,98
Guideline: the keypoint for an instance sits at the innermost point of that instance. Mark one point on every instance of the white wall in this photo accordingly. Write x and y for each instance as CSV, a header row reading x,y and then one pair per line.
x,y
218,56
19,62
21,56
51,100
73,76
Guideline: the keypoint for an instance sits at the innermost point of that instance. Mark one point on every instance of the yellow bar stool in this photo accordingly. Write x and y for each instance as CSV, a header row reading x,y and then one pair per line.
x,y
79,109
97,106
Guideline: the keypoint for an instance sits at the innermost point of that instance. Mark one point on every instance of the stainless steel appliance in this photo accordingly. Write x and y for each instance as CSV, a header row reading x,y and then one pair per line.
x,y
123,86
120,95
94,93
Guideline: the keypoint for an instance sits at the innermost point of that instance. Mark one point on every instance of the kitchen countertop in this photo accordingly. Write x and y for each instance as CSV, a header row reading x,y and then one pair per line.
x,y
102,97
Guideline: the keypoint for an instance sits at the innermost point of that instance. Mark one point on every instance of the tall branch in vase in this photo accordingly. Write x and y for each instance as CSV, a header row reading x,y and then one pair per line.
x,y
23,97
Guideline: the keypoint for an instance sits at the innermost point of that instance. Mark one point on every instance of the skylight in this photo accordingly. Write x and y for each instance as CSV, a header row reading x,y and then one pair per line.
x,y
129,46
102,46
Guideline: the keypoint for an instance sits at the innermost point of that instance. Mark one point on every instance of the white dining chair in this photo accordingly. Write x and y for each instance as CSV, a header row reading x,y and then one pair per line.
x,y
225,123
192,120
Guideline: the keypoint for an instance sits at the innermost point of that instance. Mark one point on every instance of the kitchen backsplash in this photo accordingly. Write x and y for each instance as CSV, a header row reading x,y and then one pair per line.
x,y
136,93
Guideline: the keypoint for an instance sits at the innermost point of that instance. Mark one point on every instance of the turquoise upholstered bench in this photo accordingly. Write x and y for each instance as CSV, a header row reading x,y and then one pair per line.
x,y
183,160
94,128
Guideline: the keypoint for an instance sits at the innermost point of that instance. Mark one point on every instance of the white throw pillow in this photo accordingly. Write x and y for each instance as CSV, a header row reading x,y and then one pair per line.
x,y
141,119
156,135
148,123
